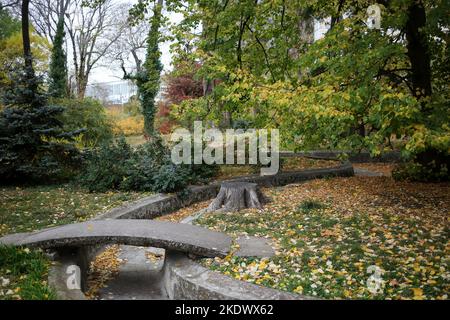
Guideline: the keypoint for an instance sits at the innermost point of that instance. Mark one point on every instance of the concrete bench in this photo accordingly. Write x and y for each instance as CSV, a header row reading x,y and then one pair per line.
x,y
147,233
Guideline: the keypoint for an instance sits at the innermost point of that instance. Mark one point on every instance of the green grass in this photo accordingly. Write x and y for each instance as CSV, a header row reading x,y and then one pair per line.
x,y
310,205
25,209
31,208
23,275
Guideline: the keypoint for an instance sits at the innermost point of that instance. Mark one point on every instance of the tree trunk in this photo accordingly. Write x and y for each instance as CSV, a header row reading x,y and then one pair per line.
x,y
418,51
27,54
306,34
235,196
81,87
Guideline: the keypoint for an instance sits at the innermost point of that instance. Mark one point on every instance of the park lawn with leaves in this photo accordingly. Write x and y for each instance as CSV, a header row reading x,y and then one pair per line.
x,y
25,209
23,272
23,275
327,233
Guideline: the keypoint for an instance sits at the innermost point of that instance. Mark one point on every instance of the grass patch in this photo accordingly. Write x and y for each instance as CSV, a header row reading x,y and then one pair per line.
x,y
310,205
23,275
24,209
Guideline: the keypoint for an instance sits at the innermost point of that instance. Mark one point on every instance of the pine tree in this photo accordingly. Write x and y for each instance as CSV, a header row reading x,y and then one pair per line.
x,y
58,70
34,145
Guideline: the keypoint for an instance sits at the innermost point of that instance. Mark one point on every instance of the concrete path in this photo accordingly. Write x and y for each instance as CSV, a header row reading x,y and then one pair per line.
x,y
147,233
139,277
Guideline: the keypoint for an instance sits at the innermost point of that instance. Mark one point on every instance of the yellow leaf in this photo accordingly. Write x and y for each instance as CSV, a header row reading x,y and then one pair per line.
x,y
418,294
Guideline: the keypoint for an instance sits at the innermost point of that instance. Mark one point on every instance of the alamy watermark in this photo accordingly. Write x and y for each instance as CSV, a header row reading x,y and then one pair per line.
x,y
374,17
212,146
73,281
375,283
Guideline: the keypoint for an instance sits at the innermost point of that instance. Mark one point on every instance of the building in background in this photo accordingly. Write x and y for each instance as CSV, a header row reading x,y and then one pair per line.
x,y
116,92
112,93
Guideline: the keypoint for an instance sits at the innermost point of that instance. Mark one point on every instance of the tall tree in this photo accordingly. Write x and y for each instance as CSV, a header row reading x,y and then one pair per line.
x,y
148,80
92,31
33,143
128,52
46,14
27,54
8,24
58,65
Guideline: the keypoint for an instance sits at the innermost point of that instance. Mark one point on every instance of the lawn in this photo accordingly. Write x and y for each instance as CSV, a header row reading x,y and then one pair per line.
x,y
23,272
23,275
31,208
327,233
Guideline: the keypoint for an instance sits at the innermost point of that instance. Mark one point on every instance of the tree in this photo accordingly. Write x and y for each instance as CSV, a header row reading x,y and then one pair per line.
x,y
355,88
46,14
58,64
92,31
30,78
8,24
148,80
11,54
33,143
129,50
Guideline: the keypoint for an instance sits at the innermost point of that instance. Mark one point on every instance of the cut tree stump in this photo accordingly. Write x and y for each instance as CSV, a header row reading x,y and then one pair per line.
x,y
235,196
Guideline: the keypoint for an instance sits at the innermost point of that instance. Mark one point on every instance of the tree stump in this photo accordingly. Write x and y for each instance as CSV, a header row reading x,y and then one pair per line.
x,y
235,196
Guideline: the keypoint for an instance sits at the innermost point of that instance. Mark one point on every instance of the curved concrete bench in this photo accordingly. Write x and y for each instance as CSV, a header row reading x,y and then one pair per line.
x,y
172,236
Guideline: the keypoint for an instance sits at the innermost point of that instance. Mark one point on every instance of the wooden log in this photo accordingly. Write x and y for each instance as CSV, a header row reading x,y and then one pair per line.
x,y
235,196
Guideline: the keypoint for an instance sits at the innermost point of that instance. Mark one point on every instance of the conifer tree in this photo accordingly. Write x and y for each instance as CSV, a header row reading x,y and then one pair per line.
x,y
58,70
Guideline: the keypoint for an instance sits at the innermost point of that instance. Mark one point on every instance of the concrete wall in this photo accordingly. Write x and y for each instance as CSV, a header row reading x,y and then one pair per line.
x,y
185,279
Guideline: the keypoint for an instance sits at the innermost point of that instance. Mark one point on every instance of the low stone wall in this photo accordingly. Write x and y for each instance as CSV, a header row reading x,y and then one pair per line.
x,y
162,204
362,157
185,279
57,280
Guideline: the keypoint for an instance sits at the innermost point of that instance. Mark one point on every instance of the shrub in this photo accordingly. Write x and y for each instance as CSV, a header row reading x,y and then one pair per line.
x,y
144,165
170,178
106,166
201,173
416,172
90,115
133,107
147,168
127,121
